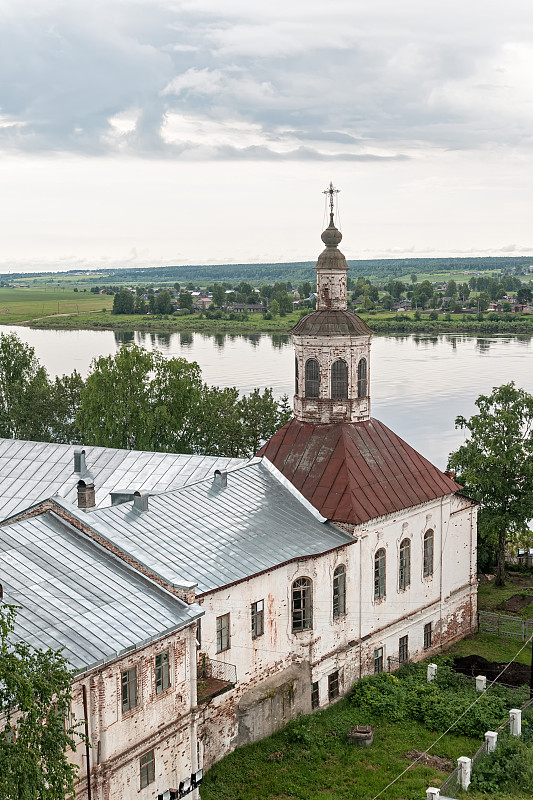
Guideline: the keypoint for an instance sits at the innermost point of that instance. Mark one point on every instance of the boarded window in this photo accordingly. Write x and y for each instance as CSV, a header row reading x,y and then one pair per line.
x,y
302,617
129,689
378,660
339,380
403,649
162,672
361,378
258,618
147,769
427,635
428,554
379,574
333,685
339,592
223,638
405,564
312,378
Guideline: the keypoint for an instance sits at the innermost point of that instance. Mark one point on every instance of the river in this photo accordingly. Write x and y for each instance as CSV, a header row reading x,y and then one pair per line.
x,y
419,383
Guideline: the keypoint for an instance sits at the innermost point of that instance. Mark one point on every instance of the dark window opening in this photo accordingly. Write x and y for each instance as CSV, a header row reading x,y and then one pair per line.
x,y
296,376
312,378
147,769
378,660
339,592
258,618
403,650
379,574
428,554
405,564
427,635
129,689
339,380
315,695
302,618
162,672
223,638
361,378
333,685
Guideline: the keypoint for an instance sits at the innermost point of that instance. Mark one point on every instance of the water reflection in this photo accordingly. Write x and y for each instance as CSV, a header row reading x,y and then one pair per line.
x,y
420,384
124,337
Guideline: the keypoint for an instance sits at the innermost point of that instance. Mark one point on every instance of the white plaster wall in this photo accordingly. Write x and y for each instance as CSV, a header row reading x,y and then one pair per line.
x,y
163,723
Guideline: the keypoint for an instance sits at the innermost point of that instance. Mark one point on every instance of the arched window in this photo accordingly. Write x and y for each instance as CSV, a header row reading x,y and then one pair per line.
x,y
405,564
312,377
339,592
339,379
361,378
296,376
379,574
302,615
428,553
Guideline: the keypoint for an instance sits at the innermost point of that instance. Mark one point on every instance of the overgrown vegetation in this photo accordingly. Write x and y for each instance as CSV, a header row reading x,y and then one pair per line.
x,y
509,768
311,758
135,399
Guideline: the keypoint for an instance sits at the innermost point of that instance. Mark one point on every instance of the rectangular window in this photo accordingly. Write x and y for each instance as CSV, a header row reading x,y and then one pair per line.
x,y
378,660
379,574
199,633
147,769
258,619
403,650
222,633
427,636
162,672
333,685
129,689
315,696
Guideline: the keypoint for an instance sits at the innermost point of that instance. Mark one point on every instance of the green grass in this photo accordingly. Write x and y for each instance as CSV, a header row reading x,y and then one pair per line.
x,y
21,305
326,767
493,648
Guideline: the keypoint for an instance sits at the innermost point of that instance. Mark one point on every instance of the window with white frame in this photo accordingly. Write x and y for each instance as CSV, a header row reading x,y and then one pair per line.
x,y
339,591
404,573
302,616
379,574
428,553
223,636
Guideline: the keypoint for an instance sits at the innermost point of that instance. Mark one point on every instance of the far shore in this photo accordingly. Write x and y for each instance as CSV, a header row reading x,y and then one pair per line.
x,y
381,322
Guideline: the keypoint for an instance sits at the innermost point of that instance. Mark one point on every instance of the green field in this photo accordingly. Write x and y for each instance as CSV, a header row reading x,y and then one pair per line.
x,y
23,305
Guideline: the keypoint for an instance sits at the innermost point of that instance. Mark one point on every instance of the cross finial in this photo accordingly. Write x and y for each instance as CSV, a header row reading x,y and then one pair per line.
x,y
332,192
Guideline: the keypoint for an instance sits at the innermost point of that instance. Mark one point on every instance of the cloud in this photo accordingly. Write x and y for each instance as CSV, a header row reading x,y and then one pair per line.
x,y
348,80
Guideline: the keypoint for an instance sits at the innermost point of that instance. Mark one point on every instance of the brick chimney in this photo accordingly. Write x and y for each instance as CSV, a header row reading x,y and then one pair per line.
x,y
86,494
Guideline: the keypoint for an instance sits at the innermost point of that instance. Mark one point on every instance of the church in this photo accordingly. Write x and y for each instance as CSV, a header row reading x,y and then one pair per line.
x,y
337,552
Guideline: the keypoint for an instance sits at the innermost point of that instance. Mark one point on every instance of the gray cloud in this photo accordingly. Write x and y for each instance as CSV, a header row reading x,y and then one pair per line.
x,y
197,79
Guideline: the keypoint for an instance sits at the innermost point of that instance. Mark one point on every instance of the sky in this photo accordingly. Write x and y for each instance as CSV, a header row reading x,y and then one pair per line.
x,y
154,132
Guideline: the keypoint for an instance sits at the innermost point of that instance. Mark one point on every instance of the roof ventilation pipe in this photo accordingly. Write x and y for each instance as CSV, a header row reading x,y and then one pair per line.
x,y
86,494
220,479
140,501
80,467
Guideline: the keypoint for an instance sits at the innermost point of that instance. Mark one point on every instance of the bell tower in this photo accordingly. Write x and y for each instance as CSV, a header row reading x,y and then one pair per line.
x,y
332,344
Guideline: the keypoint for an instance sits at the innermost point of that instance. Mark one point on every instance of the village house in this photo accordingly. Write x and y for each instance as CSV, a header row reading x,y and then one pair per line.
x,y
337,552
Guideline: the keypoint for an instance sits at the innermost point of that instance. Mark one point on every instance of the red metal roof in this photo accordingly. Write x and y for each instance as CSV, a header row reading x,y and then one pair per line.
x,y
353,472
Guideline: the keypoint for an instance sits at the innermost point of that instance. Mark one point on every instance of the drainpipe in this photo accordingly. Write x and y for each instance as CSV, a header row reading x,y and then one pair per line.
x,y
87,745
193,688
360,606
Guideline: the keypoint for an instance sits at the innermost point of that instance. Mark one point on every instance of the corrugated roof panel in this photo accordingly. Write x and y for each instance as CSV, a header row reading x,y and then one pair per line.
x,y
33,471
381,473
75,594
252,525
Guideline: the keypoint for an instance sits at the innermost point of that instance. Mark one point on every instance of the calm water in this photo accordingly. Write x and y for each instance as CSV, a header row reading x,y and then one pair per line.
x,y
419,384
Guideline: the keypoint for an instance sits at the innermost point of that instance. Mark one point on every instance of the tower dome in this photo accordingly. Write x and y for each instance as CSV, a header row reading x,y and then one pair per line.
x,y
332,345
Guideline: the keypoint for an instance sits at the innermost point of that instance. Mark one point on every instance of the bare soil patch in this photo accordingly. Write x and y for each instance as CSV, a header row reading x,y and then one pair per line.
x,y
514,675
442,764
517,602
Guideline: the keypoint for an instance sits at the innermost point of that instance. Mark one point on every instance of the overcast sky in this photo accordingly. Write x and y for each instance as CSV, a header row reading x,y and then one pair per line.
x,y
148,132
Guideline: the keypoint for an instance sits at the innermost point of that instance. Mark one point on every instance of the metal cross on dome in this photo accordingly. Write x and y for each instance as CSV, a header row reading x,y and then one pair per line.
x,y
332,192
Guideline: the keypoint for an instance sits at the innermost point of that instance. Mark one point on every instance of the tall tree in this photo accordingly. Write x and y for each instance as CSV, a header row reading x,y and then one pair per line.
x,y
495,465
139,400
123,302
35,700
24,391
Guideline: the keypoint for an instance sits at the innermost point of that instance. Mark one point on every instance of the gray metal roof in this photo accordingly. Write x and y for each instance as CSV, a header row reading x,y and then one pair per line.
x,y
34,471
76,595
217,536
